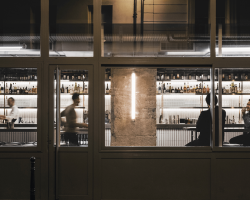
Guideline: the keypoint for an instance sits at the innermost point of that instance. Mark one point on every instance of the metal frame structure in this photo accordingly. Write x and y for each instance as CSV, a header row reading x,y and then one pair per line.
x,y
97,151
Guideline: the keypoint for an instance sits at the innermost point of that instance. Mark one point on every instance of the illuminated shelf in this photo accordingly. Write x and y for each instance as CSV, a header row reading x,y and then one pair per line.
x,y
19,107
68,94
73,80
202,94
20,81
183,94
19,94
173,107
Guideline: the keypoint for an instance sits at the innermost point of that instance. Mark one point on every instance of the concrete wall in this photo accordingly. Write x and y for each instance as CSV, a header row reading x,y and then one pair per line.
x,y
142,131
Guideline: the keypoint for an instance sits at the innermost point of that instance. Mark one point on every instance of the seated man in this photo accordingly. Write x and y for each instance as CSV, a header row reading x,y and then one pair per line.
x,y
204,125
245,138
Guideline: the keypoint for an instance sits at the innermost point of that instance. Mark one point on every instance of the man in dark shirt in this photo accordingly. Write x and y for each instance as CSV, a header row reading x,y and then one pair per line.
x,y
245,138
204,125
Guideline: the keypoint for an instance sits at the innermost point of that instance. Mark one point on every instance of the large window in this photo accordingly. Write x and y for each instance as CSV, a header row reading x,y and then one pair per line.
x,y
155,28
233,35
18,107
158,107
235,95
20,28
71,28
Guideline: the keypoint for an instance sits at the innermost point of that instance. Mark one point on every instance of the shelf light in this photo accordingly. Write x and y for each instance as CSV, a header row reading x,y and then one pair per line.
x,y
133,97
14,48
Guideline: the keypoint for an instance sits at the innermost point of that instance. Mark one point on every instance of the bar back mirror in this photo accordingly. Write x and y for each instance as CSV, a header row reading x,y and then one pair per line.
x,y
18,107
162,107
71,108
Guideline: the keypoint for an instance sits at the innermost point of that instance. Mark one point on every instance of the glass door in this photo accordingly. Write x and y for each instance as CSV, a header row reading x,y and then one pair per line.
x,y
70,120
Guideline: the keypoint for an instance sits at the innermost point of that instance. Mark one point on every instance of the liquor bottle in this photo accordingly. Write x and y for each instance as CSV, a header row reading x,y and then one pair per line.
x,y
167,88
239,89
62,89
188,91
204,89
10,89
191,89
235,89
177,76
65,89
159,88
107,89
232,88
233,120
181,90
75,88
78,88
33,90
18,90
163,88
170,91
185,89
197,89
200,89
178,90
207,89
86,89
26,90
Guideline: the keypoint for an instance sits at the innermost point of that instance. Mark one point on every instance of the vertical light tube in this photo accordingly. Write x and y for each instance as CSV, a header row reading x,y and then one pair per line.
x,y
133,97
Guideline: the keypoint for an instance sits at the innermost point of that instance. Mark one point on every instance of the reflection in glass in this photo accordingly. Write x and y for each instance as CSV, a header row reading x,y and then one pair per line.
x,y
20,23
71,28
232,24
155,28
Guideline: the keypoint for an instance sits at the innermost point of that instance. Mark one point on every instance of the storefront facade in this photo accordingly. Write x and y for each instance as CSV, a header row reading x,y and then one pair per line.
x,y
121,59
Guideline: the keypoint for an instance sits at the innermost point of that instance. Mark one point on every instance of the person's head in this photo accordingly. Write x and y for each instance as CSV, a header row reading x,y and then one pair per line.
x,y
248,105
75,98
11,101
208,99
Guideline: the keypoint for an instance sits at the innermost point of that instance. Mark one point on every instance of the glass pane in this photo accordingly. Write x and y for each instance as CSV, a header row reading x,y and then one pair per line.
x,y
20,28
157,107
233,35
18,107
236,103
156,28
71,28
73,86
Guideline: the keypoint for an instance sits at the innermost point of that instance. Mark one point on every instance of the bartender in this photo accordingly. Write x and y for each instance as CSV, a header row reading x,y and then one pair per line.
x,y
245,138
70,134
14,113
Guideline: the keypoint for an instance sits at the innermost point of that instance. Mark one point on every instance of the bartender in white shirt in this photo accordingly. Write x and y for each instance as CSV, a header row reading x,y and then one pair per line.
x,y
14,113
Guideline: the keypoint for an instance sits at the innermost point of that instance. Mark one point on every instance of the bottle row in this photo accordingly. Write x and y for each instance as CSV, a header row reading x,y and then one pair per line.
x,y
233,88
82,89
202,76
18,89
162,88
74,77
18,77
174,119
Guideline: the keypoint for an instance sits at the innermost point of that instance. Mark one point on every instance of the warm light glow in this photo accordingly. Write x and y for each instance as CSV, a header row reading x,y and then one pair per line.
x,y
133,96
14,48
